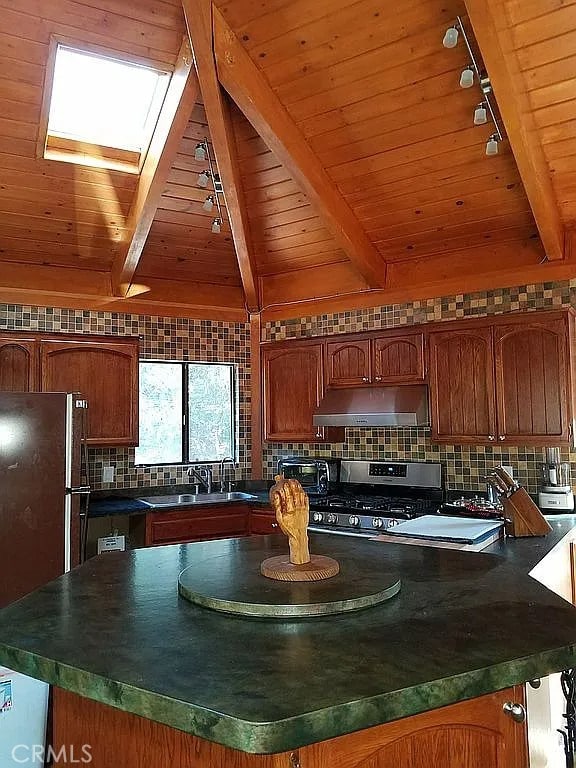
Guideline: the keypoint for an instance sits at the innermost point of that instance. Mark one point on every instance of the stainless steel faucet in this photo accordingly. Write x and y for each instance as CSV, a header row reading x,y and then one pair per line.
x,y
230,460
203,475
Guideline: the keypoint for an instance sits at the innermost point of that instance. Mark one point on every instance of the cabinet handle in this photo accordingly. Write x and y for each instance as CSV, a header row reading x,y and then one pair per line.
x,y
295,760
501,437
491,437
364,378
515,710
274,525
378,378
319,434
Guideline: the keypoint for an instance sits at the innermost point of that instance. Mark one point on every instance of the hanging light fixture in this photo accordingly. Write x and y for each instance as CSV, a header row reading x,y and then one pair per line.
x,y
203,179
216,226
208,204
480,114
450,38
467,77
200,152
492,145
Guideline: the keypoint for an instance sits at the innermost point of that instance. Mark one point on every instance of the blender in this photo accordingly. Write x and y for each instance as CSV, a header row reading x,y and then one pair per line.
x,y
555,491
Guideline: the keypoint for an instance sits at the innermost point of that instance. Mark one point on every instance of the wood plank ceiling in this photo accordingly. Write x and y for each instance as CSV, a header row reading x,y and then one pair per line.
x,y
368,88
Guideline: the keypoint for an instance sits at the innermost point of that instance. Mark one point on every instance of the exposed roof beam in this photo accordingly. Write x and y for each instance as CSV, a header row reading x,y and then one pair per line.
x,y
249,89
182,94
199,21
492,30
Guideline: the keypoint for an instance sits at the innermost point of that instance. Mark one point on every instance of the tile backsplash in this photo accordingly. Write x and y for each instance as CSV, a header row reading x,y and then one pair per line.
x,y
161,338
464,466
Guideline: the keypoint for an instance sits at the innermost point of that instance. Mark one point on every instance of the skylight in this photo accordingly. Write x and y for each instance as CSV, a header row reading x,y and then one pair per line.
x,y
105,101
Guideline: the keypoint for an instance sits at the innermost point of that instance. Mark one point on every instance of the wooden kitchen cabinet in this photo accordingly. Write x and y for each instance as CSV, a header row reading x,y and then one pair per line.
x,y
471,734
103,369
263,521
395,357
180,525
18,364
533,380
293,385
505,380
462,394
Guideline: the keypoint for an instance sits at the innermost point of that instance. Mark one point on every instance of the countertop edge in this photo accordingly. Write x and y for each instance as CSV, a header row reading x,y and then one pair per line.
x,y
303,730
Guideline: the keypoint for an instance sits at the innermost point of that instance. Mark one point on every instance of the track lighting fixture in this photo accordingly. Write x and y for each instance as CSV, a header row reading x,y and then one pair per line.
x,y
200,152
467,77
208,204
450,38
471,74
480,115
492,145
203,179
216,226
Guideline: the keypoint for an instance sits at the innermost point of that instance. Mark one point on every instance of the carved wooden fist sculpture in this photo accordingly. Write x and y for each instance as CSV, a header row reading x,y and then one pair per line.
x,y
290,503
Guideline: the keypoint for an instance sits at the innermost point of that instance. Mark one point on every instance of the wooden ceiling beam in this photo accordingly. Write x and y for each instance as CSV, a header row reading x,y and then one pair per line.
x,y
493,33
246,85
180,99
199,22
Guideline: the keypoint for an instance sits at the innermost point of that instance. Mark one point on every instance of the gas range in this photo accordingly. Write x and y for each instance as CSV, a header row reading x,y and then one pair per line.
x,y
374,496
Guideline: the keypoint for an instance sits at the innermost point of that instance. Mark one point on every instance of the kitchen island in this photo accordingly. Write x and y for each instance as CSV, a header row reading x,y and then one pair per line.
x,y
115,631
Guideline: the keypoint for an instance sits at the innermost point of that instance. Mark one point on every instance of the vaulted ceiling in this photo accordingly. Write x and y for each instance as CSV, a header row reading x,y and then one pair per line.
x,y
352,171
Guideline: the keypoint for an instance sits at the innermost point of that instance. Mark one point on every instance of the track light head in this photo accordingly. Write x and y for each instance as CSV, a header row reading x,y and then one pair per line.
x,y
492,145
450,38
203,179
480,115
200,152
208,204
467,77
216,226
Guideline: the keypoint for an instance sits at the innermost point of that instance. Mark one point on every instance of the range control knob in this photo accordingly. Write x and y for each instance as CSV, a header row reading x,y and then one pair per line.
x,y
317,517
377,522
332,518
354,520
392,522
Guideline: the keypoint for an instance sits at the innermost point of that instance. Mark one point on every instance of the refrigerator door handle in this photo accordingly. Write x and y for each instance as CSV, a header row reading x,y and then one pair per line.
x,y
78,490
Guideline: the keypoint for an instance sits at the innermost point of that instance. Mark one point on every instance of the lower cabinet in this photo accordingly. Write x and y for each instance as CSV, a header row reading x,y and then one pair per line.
x,y
263,521
472,734
480,733
179,526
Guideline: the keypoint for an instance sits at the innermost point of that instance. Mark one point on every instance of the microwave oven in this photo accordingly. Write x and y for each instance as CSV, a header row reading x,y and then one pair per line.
x,y
314,475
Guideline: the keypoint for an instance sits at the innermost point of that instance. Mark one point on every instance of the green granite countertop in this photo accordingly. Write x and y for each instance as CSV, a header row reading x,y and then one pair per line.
x,y
464,624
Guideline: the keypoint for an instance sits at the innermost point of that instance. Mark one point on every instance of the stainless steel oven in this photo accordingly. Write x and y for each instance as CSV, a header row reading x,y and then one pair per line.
x,y
314,475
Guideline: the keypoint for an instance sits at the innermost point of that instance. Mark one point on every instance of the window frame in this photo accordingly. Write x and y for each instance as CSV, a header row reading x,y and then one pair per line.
x,y
75,151
185,443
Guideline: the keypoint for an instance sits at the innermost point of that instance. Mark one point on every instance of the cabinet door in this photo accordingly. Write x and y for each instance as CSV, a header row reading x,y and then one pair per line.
x,y
399,359
348,363
18,365
461,379
180,526
293,387
472,734
106,374
532,381
263,521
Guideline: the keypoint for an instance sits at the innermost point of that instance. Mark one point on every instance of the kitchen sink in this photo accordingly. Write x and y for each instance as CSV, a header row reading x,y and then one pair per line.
x,y
187,499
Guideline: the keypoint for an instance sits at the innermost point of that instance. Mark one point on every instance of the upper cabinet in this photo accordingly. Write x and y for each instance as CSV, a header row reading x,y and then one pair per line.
x,y
506,380
390,358
293,385
18,364
103,369
461,375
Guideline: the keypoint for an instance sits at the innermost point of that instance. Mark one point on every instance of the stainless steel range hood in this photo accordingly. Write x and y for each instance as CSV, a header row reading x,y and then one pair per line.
x,y
401,406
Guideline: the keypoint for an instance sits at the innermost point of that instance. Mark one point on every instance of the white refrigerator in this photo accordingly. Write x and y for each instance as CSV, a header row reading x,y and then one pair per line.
x,y
23,711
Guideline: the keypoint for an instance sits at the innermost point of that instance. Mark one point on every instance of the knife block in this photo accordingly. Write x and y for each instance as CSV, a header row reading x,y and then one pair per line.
x,y
522,517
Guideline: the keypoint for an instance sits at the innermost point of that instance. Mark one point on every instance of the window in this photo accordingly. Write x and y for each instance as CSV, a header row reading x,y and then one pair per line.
x,y
101,110
199,396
